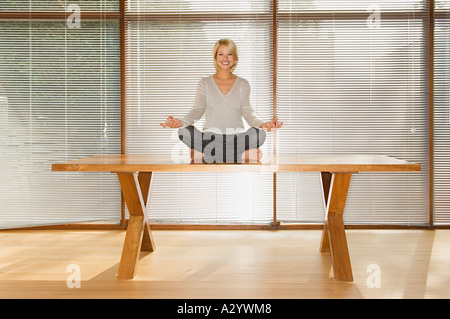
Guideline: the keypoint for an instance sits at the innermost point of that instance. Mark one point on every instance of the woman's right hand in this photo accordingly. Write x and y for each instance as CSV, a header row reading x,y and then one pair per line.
x,y
172,122
271,125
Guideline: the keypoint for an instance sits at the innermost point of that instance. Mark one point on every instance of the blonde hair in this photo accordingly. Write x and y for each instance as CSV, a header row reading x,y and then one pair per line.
x,y
233,49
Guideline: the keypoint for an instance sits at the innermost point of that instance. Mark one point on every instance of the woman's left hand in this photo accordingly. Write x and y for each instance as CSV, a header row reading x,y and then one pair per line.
x,y
272,125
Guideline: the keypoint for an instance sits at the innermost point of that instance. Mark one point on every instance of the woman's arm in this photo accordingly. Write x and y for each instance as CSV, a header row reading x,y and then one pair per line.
x,y
247,110
199,108
194,114
250,115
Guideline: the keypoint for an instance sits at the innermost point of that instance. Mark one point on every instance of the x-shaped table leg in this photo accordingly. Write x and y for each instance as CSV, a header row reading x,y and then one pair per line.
x,y
135,189
335,188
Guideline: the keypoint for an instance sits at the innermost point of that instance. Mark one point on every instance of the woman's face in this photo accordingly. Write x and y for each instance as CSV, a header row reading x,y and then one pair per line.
x,y
224,58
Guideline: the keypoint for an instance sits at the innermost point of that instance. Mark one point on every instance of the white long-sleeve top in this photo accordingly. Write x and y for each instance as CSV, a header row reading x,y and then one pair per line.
x,y
223,112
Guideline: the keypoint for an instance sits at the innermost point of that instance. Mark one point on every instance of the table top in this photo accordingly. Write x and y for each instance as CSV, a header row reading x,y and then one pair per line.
x,y
278,163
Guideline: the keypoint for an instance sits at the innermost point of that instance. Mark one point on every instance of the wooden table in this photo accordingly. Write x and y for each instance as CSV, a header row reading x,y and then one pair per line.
x,y
135,175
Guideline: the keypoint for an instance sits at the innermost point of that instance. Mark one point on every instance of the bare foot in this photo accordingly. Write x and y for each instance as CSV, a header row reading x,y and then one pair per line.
x,y
196,157
252,155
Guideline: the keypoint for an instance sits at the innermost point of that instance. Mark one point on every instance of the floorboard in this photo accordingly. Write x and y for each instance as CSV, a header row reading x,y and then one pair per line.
x,y
224,264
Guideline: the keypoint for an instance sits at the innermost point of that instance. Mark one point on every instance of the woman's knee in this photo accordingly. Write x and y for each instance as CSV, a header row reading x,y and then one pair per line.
x,y
191,137
185,133
261,137
257,136
252,138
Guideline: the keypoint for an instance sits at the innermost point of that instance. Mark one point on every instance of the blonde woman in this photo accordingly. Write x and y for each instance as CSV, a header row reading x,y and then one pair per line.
x,y
224,99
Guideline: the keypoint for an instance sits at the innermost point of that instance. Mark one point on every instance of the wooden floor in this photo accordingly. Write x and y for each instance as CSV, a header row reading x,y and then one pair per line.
x,y
225,264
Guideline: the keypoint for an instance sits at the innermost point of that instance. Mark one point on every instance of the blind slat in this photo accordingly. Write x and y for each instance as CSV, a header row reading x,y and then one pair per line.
x,y
59,100
441,119
165,61
346,86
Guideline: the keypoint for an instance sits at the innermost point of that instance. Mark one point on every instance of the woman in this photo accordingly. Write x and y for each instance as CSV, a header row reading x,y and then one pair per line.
x,y
224,98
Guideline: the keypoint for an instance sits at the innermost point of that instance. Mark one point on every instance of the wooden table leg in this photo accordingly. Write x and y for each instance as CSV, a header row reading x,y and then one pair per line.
x,y
135,189
145,179
325,178
333,235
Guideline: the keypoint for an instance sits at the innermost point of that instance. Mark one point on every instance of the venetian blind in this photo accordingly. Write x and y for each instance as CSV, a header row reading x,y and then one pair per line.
x,y
169,49
441,113
352,78
59,100
58,5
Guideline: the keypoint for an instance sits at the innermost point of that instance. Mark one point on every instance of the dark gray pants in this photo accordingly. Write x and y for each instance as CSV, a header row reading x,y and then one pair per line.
x,y
221,148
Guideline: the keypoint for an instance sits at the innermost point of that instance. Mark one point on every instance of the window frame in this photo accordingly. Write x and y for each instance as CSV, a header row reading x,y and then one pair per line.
x,y
428,13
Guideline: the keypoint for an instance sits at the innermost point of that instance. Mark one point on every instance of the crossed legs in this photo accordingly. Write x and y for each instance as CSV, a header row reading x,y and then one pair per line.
x,y
223,148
